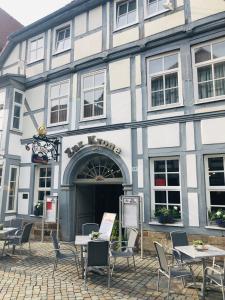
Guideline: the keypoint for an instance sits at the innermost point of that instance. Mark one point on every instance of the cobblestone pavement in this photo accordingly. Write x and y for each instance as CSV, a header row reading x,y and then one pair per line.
x,y
24,276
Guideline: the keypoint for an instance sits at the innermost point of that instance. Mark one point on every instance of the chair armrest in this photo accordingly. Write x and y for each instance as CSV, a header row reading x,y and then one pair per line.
x,y
118,242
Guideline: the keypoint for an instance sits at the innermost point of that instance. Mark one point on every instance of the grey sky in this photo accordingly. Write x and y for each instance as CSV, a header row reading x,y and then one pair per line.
x,y
29,11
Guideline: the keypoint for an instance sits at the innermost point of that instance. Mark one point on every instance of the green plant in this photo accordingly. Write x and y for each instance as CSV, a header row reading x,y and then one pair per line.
x,y
95,235
198,243
173,212
218,217
115,231
38,208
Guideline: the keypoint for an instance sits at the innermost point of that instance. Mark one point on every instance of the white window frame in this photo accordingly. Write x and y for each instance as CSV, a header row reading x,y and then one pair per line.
x,y
37,177
50,101
1,175
166,187
207,186
36,38
159,12
116,27
162,73
82,96
16,189
21,110
56,30
205,63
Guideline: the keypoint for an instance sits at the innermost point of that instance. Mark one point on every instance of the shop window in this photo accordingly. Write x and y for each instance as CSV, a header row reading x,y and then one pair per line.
x,y
12,188
17,110
36,49
43,183
165,183
62,39
215,182
93,95
209,71
126,13
164,81
58,102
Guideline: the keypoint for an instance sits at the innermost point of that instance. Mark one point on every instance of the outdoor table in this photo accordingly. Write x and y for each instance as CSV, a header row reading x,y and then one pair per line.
x,y
211,251
82,241
4,233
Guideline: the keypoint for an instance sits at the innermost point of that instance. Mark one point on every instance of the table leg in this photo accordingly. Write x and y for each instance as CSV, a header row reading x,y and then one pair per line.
x,y
82,261
202,293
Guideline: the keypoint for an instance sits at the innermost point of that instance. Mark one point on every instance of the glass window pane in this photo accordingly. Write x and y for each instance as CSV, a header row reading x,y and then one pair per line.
x,y
216,179
60,35
60,45
88,82
161,5
33,45
171,96
122,9
132,5
202,54
67,32
16,123
99,79
215,163
160,196
98,109
88,97
62,115
218,49
171,80
40,43
18,98
156,65
173,165
49,172
122,21
42,172
173,179
160,180
64,89
99,95
88,111
48,182
40,53
11,203
42,182
205,73
41,195
171,62
17,110
159,166
157,83
217,198
33,56
131,17
205,90
220,87
55,89
54,117
157,98
174,197
153,7
219,70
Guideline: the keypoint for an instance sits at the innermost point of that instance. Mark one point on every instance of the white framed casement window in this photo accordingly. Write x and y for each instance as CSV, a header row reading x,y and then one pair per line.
x,y
215,181
209,71
93,95
12,189
165,184
164,81
17,112
36,48
58,102
43,183
156,7
125,13
62,38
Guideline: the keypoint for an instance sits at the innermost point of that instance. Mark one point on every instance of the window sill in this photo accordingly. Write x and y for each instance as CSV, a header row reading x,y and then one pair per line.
x,y
57,124
165,107
176,224
117,29
147,17
214,227
92,119
209,100
10,211
33,216
55,53
31,63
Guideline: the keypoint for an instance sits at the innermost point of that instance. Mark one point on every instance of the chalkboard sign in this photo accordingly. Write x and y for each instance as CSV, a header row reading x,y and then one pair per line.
x,y
130,211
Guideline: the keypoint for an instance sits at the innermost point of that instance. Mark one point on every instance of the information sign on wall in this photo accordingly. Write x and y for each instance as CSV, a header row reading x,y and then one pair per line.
x,y
130,211
51,209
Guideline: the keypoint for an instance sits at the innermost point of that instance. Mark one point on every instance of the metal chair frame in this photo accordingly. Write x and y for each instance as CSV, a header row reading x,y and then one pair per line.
x,y
170,271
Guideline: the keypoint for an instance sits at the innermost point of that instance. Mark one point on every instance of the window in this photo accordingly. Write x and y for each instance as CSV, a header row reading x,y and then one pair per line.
x,y
36,49
215,182
209,71
44,183
164,80
155,7
93,95
165,182
126,13
59,98
62,38
17,110
12,190
1,168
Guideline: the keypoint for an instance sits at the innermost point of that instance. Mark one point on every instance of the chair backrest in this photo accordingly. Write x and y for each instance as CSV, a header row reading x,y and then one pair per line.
x,y
163,263
132,238
26,233
179,238
87,228
17,223
98,253
55,242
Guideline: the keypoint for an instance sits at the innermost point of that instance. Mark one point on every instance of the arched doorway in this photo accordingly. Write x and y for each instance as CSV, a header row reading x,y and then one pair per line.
x,y
94,172
98,188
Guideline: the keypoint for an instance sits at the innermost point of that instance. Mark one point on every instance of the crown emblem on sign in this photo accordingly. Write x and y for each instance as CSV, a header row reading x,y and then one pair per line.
x,y
42,131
